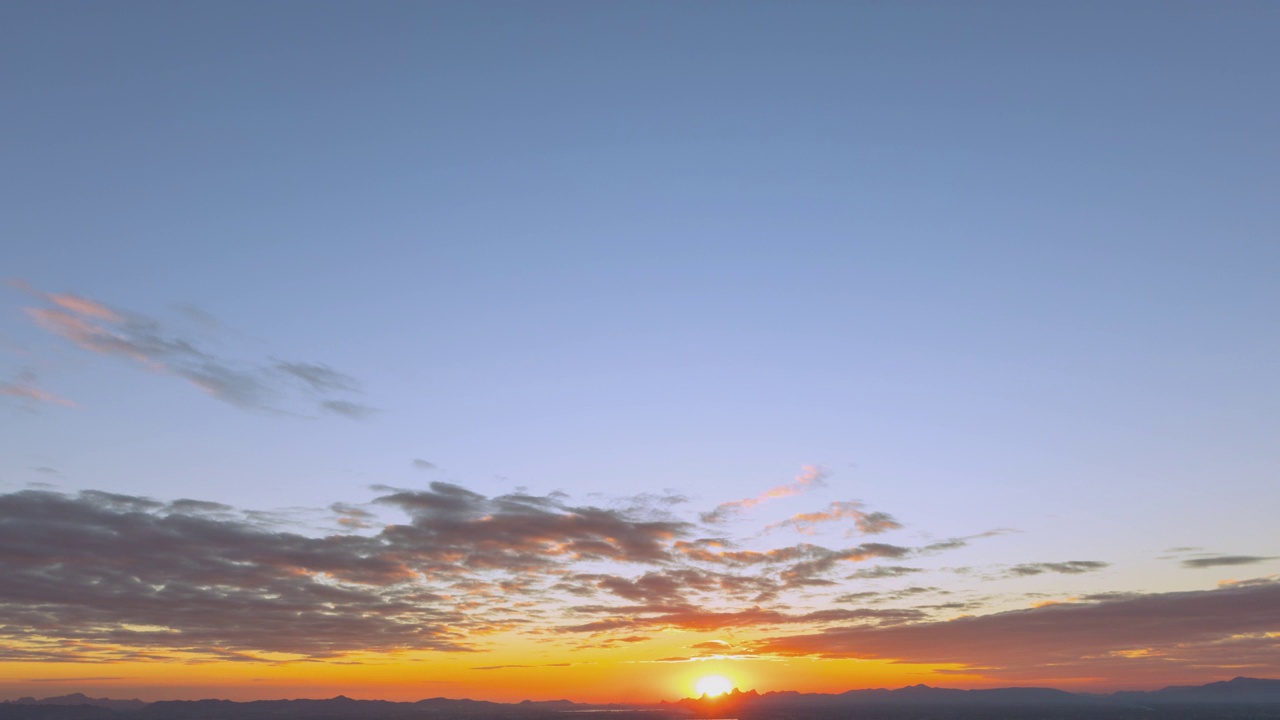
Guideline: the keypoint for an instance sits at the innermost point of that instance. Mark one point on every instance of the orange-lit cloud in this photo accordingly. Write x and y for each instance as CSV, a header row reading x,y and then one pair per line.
x,y
867,523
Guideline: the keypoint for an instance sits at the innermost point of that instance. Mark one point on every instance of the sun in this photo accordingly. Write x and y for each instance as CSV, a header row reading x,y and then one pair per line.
x,y
713,685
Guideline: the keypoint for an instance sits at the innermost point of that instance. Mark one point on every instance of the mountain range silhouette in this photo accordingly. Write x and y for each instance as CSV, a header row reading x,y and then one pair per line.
x,y
1241,698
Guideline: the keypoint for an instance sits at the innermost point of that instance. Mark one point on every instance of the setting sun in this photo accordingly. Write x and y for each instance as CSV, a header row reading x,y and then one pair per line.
x,y
714,685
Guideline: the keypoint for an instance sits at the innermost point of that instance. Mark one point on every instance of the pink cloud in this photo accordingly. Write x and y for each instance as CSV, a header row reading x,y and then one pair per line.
x,y
24,386
811,476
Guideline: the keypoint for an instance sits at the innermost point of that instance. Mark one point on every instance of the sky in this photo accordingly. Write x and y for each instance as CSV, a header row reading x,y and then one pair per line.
x,y
567,349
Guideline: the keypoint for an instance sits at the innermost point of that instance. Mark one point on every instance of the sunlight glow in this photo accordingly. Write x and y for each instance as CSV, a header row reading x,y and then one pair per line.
x,y
713,685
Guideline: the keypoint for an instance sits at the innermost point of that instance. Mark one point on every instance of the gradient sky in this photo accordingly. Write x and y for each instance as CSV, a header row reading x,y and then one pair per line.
x,y
539,350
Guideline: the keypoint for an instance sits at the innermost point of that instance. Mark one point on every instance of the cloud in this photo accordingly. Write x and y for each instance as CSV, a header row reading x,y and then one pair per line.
x,y
957,543
80,679
711,645
882,571
320,378
120,576
810,477
255,385
517,531
24,387
1224,560
100,576
114,576
353,517
700,619
872,523
346,408
903,594
420,464
1070,567
1073,639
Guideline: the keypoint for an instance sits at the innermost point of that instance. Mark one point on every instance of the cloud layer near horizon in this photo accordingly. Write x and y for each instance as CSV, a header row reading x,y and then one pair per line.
x,y
1236,625
100,577
96,571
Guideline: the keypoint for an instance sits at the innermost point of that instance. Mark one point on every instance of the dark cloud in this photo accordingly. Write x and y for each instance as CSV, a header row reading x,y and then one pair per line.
x,y
105,330
193,577
882,571
518,531
1073,639
420,464
102,577
1070,567
1224,560
135,573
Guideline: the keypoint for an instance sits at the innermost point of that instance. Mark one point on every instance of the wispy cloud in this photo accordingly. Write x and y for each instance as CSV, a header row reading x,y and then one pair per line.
x,y
259,385
1070,567
1225,561
883,571
24,387
809,478
867,523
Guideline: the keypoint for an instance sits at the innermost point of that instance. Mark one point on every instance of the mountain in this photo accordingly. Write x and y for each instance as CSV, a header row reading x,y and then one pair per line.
x,y
82,699
1257,691
1251,698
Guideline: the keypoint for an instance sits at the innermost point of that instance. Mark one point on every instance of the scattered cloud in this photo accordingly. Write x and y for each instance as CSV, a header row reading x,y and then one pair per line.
x,y
24,387
420,464
346,408
960,542
867,523
882,571
1224,561
811,476
1070,567
352,517
320,378
104,330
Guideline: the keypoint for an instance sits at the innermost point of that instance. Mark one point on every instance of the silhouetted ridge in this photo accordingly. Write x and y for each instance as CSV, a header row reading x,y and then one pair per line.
x,y
1237,699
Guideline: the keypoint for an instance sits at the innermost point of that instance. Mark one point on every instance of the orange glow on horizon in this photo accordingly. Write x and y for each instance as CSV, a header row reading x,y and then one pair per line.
x,y
713,685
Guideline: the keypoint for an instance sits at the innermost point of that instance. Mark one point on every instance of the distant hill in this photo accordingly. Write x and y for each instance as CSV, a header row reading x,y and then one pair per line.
x,y
1238,691
1238,699
82,699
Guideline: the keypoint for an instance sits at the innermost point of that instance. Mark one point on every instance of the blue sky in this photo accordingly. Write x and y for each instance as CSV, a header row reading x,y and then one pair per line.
x,y
991,265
